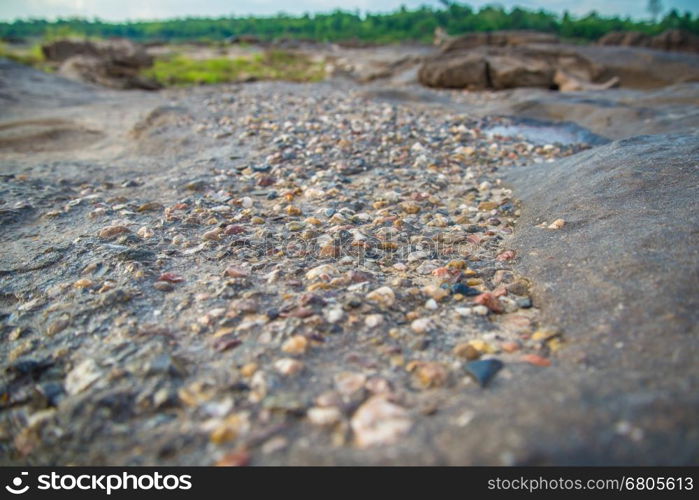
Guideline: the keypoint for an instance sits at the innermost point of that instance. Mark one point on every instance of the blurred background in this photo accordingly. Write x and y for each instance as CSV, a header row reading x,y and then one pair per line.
x,y
164,43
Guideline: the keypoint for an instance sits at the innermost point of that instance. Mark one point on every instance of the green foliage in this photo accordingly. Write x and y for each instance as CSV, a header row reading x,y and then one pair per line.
x,y
400,25
61,31
271,65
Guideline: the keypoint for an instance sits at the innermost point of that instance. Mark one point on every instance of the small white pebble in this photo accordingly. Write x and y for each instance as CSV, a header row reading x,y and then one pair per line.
x,y
421,325
557,224
333,314
480,310
288,366
324,416
373,320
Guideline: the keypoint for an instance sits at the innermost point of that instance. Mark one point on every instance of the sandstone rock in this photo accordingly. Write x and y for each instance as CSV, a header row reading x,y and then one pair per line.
x,y
670,40
463,71
508,72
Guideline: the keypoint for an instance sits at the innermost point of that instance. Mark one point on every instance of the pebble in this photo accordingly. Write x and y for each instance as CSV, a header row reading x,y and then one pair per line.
x,y
524,302
435,292
111,231
295,345
348,383
163,286
145,232
475,310
237,458
171,278
384,296
483,370
373,320
82,376
324,271
379,422
487,205
422,325
557,224
333,314
288,366
236,272
506,255
83,283
490,301
429,374
466,350
249,369
57,326
535,359
213,235
464,290
274,445
324,416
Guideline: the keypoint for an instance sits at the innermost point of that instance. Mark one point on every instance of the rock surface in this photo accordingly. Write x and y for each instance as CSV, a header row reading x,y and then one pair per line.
x,y
630,229
620,278
112,63
613,113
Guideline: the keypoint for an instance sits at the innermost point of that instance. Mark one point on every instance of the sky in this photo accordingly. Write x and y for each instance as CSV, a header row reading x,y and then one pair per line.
x,y
120,10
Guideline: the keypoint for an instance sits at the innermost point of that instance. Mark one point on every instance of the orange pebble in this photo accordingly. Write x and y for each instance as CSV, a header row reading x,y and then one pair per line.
x,y
535,359
510,346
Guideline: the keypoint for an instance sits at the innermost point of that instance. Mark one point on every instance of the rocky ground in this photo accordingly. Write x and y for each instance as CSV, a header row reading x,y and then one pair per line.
x,y
273,273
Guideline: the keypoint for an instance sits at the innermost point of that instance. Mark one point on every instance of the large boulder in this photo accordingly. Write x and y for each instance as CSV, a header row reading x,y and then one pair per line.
x,y
512,70
676,40
461,71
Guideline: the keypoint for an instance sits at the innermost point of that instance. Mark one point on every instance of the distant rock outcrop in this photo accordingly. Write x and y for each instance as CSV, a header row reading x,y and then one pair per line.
x,y
113,63
508,67
672,40
508,38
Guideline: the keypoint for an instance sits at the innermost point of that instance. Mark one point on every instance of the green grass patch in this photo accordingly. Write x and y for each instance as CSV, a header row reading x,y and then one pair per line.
x,y
270,65
31,56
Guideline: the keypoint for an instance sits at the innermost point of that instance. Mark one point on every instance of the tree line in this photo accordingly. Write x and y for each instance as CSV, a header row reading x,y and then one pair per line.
x,y
401,25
